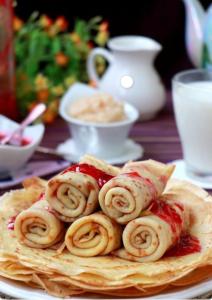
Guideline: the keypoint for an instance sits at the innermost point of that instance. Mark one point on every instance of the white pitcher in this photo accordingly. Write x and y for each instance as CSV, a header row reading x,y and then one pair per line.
x,y
131,75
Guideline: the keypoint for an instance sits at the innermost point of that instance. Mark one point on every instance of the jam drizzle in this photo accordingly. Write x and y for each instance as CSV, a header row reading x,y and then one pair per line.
x,y
50,210
100,176
187,244
41,197
184,243
24,141
167,213
11,222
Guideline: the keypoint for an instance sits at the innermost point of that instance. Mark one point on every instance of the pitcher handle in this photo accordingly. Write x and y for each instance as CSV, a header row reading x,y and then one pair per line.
x,y
91,62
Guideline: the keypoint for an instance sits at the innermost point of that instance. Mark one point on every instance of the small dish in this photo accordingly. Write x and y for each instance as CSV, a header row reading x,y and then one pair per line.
x,y
130,151
13,157
36,168
103,140
182,173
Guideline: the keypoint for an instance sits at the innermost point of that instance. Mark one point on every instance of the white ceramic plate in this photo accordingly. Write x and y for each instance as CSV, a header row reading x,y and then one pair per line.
x,y
130,151
180,172
12,158
14,289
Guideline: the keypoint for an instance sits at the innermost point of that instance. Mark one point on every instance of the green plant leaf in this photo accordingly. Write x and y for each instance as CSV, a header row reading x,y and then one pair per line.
x,y
35,50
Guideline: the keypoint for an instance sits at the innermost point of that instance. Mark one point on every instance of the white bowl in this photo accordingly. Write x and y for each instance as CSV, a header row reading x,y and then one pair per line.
x,y
99,139
13,158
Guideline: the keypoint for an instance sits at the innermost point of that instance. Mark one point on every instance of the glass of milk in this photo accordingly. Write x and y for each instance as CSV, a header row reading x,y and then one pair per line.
x,y
192,96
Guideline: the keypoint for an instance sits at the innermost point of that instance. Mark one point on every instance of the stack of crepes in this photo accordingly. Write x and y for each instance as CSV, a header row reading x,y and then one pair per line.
x,y
122,198
124,235
154,224
71,195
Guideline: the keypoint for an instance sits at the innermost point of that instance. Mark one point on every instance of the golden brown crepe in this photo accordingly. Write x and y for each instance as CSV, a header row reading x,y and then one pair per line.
x,y
63,274
38,227
125,196
73,194
100,164
93,235
35,183
147,238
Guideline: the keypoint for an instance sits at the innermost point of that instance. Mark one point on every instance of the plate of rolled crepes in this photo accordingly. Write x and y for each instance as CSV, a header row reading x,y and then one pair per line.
x,y
96,230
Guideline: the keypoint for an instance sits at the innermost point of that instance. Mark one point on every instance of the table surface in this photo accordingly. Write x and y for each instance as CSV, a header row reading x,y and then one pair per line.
x,y
158,137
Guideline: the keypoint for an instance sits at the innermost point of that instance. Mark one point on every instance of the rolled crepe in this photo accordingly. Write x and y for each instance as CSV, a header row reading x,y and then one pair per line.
x,y
125,196
100,165
93,235
147,238
38,227
74,193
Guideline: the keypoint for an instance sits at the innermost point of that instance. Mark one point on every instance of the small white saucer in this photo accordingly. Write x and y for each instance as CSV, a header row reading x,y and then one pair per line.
x,y
32,168
131,151
181,173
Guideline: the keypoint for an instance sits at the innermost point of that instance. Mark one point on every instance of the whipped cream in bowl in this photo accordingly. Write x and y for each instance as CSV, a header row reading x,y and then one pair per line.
x,y
99,124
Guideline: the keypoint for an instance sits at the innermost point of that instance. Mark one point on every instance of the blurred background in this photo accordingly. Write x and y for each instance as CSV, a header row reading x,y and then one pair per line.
x,y
53,46
163,20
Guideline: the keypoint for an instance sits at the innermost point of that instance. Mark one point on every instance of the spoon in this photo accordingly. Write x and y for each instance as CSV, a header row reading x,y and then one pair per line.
x,y
36,112
50,151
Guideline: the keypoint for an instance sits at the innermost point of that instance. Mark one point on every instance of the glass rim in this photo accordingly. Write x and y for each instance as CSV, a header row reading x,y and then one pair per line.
x,y
177,76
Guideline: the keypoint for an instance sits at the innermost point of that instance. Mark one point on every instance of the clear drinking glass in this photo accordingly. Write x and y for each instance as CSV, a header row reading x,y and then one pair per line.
x,y
192,96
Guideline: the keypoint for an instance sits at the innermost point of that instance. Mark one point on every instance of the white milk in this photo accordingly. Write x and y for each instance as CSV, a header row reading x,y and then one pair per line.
x,y
193,112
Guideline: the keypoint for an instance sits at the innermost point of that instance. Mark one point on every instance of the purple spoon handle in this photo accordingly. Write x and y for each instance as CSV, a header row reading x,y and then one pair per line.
x,y
37,111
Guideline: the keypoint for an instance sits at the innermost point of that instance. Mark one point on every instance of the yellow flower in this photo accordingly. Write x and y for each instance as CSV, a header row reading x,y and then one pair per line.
x,y
17,24
41,82
69,81
102,38
75,38
45,21
100,69
53,30
58,90
53,106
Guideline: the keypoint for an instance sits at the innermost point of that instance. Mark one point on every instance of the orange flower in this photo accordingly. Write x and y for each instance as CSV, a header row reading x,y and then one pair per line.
x,y
103,26
92,83
45,21
75,38
41,82
17,24
51,113
43,95
61,59
49,116
62,23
